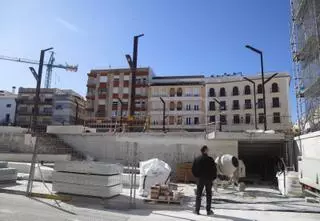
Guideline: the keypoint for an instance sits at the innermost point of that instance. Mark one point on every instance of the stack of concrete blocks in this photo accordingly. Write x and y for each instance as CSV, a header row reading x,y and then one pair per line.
x,y
87,178
7,175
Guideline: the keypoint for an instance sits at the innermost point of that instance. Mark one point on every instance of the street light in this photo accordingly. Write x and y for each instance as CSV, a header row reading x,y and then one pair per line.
x,y
254,100
133,66
163,115
263,82
121,111
38,77
220,124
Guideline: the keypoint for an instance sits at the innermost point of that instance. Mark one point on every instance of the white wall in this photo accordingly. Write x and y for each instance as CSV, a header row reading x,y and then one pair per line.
x,y
4,110
283,82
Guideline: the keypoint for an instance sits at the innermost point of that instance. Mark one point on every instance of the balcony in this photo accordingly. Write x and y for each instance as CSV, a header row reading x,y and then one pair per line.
x,y
90,96
91,83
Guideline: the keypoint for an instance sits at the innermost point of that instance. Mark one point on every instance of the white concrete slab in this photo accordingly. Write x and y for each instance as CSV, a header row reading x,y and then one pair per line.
x,y
3,164
42,173
126,179
83,179
26,157
87,190
86,167
8,174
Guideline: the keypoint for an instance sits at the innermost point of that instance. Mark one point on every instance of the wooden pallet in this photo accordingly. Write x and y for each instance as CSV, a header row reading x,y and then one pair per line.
x,y
148,200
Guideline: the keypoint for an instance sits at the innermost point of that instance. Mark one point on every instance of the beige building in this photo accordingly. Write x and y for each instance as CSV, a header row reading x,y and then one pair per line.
x,y
56,107
184,97
235,95
107,87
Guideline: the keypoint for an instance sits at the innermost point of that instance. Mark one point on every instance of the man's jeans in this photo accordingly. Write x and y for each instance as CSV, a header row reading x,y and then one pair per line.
x,y
201,183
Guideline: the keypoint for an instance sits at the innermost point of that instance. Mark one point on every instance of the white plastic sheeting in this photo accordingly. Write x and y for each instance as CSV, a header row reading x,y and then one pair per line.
x,y
153,171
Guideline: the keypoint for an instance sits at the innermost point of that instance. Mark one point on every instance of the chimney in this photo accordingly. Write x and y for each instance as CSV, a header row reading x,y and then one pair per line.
x,y
14,89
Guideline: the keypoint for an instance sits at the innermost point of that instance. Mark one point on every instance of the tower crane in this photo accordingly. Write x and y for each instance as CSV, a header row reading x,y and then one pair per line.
x,y
50,65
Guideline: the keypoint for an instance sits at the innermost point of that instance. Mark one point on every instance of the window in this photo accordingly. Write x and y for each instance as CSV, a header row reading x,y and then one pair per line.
x,y
126,77
7,120
261,118
115,90
248,118
275,102
114,113
138,81
171,106
274,88
259,88
196,120
8,105
102,102
212,119
179,92
144,81
236,119
188,120
222,92
102,90
172,92
115,103
171,120
223,105
125,90
260,103
247,90
179,106
235,91
235,105
276,117
103,79
223,119
212,105
196,107
212,93
179,120
59,107
247,104
188,107
188,92
196,92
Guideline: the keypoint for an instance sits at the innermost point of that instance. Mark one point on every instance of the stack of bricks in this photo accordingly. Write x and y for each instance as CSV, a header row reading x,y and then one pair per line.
x,y
161,192
184,173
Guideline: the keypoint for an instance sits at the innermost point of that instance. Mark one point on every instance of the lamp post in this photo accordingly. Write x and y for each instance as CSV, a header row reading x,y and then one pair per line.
x,y
163,115
133,67
254,100
121,112
38,77
220,125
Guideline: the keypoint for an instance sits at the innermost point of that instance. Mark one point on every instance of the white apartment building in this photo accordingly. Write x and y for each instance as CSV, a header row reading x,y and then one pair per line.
x,y
7,107
236,109
184,98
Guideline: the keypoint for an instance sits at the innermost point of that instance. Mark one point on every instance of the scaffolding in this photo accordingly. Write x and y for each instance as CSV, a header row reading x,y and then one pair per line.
x,y
305,46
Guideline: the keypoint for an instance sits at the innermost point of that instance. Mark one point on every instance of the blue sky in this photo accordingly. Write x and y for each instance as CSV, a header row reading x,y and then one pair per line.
x,y
181,36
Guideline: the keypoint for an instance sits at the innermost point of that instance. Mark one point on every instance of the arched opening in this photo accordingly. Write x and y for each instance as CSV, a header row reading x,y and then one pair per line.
x,y
259,88
222,92
235,91
172,106
179,106
247,90
172,92
274,88
179,92
212,93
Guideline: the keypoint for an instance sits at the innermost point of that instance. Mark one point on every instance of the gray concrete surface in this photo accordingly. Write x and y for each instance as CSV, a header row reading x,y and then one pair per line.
x,y
21,208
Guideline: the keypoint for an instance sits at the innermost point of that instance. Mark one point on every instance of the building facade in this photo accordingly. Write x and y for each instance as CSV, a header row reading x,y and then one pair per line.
x,y
230,102
184,98
108,88
7,107
56,107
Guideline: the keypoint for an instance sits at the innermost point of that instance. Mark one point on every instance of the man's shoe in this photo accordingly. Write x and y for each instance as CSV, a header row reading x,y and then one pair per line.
x,y
196,212
210,213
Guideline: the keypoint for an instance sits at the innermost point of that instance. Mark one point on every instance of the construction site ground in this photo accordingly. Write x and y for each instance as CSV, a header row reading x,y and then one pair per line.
x,y
256,203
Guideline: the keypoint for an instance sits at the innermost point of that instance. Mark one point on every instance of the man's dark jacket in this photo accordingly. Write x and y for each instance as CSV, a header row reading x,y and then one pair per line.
x,y
204,167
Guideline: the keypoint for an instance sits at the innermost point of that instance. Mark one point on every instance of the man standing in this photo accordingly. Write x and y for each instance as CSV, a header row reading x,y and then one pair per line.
x,y
204,169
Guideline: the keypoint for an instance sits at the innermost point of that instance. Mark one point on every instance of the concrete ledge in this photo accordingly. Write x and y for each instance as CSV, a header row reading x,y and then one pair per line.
x,y
87,190
83,179
25,157
86,167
